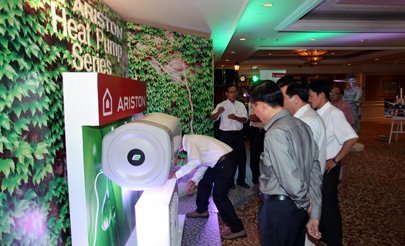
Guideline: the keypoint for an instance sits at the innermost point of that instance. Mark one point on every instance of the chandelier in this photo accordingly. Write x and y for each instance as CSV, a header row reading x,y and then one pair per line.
x,y
311,56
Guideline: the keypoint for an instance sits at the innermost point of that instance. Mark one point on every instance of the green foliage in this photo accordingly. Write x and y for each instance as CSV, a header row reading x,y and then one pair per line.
x,y
32,163
176,67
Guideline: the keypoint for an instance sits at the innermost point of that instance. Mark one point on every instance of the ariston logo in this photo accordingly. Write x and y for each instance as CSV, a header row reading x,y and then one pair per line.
x,y
107,103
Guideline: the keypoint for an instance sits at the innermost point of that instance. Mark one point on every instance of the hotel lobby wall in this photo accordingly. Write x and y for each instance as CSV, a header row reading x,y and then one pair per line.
x,y
373,79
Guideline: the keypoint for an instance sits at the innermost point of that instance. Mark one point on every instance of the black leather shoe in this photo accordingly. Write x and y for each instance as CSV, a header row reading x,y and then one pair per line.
x,y
244,185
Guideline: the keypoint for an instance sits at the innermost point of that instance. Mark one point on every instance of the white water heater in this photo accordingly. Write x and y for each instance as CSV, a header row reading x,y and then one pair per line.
x,y
138,155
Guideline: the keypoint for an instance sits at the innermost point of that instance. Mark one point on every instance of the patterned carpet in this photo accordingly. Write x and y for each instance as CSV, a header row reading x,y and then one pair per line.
x,y
371,193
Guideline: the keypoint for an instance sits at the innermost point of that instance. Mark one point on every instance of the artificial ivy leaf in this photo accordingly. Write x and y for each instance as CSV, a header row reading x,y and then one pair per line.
x,y
5,121
9,184
21,124
30,194
8,71
4,5
3,41
13,33
2,105
35,50
23,64
21,206
23,151
6,165
41,150
5,227
17,110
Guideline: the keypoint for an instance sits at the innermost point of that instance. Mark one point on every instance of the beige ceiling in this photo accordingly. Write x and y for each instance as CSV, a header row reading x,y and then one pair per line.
x,y
353,31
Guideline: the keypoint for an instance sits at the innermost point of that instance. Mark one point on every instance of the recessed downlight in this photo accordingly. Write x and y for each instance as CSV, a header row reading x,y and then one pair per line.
x,y
267,5
242,39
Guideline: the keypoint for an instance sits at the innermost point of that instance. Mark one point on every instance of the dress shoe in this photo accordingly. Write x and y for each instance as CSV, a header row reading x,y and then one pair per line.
x,y
233,235
196,214
244,185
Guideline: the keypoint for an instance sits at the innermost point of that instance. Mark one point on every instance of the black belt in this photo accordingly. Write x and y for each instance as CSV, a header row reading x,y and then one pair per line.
x,y
260,129
275,197
222,158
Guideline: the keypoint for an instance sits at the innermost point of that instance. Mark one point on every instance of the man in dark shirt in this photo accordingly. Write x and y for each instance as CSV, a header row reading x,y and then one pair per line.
x,y
290,172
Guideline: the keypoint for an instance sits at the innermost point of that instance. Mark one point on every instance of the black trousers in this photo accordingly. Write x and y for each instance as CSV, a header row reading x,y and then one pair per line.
x,y
281,223
256,149
221,178
237,142
331,220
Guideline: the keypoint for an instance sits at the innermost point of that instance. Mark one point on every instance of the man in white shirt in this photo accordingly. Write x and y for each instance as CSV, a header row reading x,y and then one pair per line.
x,y
213,162
340,138
296,102
233,114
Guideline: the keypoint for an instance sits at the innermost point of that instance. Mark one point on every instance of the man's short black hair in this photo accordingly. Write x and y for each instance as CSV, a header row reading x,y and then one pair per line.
x,y
321,86
299,88
230,85
285,80
268,92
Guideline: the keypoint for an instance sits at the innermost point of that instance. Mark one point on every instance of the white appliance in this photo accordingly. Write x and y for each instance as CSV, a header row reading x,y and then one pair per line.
x,y
157,220
138,155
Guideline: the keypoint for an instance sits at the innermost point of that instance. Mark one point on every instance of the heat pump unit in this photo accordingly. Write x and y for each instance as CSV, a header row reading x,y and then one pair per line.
x,y
138,155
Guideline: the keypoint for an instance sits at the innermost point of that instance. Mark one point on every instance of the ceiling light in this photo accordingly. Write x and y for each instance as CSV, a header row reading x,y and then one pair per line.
x,y
233,52
311,56
242,39
267,4
226,60
236,66
312,39
376,59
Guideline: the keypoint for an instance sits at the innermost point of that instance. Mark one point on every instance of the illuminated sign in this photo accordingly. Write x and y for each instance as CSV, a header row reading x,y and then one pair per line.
x,y
119,98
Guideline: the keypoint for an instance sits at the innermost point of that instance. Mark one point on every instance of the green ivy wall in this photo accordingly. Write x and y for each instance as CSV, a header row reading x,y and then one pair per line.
x,y
34,196
178,70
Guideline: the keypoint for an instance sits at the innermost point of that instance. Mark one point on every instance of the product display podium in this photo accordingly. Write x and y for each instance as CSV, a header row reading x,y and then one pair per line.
x,y
157,219
110,201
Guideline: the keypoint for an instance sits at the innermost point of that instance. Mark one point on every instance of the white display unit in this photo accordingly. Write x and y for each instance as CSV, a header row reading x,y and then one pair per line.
x,y
157,219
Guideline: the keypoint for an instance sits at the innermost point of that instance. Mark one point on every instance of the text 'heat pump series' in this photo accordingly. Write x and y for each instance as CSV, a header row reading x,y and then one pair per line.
x,y
138,155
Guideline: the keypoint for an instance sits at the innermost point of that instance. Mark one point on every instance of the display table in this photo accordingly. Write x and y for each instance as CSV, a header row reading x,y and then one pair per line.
x,y
398,120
